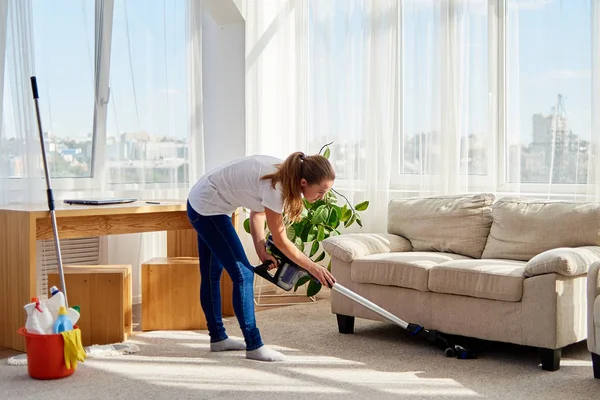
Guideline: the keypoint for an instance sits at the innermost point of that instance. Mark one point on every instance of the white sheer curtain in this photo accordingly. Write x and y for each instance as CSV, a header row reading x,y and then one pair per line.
x,y
353,101
276,77
19,145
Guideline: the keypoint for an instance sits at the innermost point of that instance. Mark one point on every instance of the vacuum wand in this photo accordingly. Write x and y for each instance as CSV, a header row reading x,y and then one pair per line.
x,y
370,305
49,195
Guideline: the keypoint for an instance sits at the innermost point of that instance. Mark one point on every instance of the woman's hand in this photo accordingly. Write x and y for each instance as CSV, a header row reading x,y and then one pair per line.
x,y
323,275
264,256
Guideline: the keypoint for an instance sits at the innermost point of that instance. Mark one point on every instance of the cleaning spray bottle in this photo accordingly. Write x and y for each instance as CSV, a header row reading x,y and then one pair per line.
x,y
45,318
62,323
33,324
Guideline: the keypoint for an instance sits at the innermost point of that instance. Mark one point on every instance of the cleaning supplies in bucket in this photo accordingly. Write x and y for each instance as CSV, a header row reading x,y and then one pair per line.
x,y
42,315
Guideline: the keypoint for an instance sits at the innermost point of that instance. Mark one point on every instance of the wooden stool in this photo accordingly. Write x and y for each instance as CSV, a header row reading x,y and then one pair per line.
x,y
171,294
103,293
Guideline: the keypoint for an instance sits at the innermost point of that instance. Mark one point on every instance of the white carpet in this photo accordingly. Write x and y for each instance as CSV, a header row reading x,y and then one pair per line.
x,y
377,362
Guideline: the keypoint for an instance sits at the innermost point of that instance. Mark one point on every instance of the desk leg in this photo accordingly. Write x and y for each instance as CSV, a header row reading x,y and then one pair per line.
x,y
17,274
184,243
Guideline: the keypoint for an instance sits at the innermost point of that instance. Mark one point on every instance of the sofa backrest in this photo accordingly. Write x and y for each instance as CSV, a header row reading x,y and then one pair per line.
x,y
453,224
523,228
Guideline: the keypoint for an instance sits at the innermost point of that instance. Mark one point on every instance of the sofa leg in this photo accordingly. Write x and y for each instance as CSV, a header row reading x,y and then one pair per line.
x,y
345,323
550,359
596,365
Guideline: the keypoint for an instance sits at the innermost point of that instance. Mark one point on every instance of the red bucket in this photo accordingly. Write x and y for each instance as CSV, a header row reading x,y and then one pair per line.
x,y
45,355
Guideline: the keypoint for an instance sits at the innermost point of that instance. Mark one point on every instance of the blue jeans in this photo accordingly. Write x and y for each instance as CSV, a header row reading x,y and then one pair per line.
x,y
219,246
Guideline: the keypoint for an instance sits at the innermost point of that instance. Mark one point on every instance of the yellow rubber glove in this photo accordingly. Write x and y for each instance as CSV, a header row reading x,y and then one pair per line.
x,y
73,349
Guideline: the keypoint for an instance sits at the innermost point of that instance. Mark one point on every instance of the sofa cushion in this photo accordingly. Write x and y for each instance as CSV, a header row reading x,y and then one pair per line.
x,y
349,246
523,228
408,270
452,224
485,279
564,260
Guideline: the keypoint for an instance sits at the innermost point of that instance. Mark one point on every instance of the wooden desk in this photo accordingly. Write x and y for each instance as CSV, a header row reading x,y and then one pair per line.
x,y
22,225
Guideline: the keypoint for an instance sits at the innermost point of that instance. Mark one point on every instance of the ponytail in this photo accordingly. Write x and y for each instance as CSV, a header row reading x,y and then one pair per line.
x,y
290,173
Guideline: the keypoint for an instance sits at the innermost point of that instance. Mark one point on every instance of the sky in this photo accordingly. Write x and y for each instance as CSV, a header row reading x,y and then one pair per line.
x,y
549,54
64,48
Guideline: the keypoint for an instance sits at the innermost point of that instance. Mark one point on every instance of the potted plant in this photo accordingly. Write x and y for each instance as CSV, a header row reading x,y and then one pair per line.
x,y
320,220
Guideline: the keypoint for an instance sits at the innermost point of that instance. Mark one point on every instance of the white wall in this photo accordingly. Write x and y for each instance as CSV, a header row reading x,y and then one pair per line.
x,y
223,79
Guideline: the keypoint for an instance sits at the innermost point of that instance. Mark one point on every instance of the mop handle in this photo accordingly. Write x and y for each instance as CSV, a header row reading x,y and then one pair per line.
x,y
370,305
49,195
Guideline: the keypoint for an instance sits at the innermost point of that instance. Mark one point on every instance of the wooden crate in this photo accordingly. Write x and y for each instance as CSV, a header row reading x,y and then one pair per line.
x,y
103,293
171,294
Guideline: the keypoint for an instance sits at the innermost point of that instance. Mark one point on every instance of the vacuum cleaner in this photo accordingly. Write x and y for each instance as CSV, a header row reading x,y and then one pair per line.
x,y
288,274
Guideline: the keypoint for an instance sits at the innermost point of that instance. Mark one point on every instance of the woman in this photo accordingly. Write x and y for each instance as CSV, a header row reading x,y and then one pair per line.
x,y
269,188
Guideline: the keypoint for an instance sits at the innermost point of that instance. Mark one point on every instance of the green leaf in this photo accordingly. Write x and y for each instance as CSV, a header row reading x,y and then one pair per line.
x,y
362,206
346,215
336,224
247,225
329,266
301,282
320,215
299,227
314,248
327,153
334,232
318,204
333,217
338,210
350,221
320,233
299,243
358,221
313,288
321,257
290,232
311,233
307,204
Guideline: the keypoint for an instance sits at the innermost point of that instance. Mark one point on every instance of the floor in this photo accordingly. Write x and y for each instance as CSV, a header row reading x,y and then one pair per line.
x,y
268,300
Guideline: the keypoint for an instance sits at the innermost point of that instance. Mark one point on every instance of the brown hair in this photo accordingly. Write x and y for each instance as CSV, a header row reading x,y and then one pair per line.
x,y
315,169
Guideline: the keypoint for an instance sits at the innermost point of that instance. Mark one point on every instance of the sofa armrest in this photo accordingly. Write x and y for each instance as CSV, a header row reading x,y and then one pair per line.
x,y
593,305
349,246
567,261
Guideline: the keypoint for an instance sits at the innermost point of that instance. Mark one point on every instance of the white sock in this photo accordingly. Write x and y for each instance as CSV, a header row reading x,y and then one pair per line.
x,y
227,344
265,354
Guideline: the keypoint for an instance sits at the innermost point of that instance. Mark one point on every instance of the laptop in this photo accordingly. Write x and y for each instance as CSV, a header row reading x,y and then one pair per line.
x,y
99,202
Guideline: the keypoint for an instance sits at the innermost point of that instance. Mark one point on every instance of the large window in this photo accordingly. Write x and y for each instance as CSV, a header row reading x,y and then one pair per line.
x,y
147,115
548,101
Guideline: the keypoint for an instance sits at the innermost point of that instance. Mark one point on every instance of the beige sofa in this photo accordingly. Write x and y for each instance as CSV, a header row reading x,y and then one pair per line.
x,y
593,301
512,270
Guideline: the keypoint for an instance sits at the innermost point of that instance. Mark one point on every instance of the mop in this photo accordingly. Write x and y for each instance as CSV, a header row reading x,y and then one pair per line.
x,y
90,351
49,195
288,274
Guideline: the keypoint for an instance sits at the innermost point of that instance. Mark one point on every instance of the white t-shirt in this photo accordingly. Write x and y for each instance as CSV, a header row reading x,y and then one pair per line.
x,y
238,184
